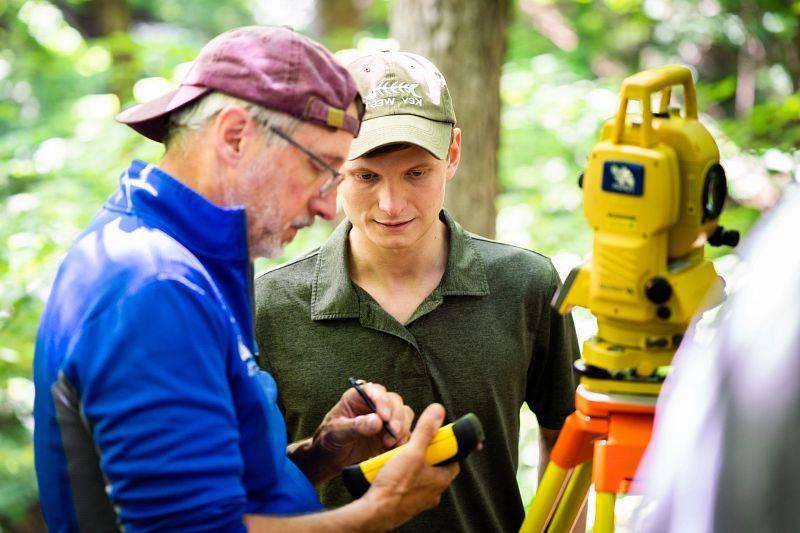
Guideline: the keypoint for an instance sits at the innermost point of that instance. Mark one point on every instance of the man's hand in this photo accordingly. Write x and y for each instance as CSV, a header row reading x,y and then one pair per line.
x,y
351,432
406,485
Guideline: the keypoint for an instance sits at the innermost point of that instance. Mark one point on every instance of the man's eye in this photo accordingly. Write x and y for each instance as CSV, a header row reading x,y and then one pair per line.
x,y
365,176
416,173
319,169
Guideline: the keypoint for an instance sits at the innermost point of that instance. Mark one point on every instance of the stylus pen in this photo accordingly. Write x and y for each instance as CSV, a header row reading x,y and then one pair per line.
x,y
356,383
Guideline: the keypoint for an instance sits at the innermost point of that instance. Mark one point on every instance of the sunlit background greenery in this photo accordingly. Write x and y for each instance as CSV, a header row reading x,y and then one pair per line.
x,y
67,67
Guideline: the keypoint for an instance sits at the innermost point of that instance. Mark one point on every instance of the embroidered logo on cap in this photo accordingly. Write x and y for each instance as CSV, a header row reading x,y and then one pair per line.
x,y
391,93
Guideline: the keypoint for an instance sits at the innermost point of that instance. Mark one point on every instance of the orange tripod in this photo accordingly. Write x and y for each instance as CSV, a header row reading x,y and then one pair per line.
x,y
602,442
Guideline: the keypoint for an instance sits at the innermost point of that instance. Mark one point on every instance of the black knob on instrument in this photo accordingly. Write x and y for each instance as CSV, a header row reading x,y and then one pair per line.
x,y
658,290
723,237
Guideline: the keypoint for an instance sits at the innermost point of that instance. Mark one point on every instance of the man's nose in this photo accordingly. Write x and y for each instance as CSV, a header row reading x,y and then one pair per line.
x,y
324,205
390,199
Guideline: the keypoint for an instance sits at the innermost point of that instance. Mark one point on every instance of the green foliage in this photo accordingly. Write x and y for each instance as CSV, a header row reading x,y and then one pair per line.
x,y
771,125
66,68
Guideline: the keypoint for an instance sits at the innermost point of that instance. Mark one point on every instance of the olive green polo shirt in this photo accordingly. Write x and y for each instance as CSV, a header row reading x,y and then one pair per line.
x,y
484,341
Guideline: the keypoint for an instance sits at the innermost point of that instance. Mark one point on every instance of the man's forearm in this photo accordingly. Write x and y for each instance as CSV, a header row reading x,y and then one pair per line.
x,y
360,516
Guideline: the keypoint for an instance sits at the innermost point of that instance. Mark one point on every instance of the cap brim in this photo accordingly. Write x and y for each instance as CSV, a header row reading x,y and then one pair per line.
x,y
151,119
431,135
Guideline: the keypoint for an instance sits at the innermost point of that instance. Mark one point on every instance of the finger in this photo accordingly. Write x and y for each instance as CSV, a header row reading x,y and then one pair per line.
x,y
409,418
348,429
367,425
447,473
452,470
442,476
439,478
429,422
354,403
397,416
377,393
402,417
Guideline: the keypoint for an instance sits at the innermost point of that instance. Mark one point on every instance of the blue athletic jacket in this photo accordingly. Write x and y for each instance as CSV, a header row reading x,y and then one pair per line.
x,y
150,411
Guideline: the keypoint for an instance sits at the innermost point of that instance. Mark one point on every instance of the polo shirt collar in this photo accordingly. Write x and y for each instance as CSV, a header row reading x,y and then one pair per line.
x,y
333,294
465,274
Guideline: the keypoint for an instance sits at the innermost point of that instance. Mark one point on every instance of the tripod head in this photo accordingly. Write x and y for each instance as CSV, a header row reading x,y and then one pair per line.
x,y
653,191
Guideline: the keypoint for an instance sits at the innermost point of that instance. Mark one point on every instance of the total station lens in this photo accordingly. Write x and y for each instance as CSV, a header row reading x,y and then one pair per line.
x,y
715,189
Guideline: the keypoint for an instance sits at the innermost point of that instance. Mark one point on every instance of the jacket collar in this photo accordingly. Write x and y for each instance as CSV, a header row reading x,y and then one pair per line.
x,y
334,296
165,203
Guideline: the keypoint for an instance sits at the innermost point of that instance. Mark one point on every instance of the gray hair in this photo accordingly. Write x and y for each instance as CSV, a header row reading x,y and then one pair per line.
x,y
195,117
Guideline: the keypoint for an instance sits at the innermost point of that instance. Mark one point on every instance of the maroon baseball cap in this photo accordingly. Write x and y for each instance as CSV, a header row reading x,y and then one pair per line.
x,y
273,67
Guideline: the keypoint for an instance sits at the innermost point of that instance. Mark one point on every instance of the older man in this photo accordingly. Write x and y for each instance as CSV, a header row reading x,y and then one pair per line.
x,y
401,294
151,412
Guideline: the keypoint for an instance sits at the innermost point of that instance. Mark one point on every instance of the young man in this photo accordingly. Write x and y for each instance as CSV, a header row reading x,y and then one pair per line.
x,y
401,294
151,412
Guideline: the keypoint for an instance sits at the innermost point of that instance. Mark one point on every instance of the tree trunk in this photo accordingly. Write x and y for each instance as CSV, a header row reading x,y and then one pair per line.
x,y
101,19
336,23
751,57
466,40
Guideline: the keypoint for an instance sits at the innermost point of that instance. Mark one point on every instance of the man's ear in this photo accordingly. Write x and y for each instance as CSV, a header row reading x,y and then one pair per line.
x,y
454,153
230,127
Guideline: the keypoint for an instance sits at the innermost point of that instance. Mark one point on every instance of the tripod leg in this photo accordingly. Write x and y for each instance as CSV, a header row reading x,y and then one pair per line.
x,y
604,512
545,500
572,500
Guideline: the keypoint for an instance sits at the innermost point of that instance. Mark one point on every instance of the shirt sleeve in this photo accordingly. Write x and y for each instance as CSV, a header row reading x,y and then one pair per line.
x,y
551,377
152,376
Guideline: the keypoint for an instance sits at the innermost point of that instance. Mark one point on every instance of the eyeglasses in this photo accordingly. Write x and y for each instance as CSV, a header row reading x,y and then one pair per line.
x,y
336,176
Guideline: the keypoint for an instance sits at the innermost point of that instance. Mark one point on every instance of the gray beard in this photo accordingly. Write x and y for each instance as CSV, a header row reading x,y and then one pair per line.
x,y
270,244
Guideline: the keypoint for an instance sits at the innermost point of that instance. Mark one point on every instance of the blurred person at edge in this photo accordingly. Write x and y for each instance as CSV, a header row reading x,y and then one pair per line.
x,y
151,412
403,295
723,455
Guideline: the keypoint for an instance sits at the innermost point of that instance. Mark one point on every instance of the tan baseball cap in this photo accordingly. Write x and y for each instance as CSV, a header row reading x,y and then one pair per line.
x,y
406,100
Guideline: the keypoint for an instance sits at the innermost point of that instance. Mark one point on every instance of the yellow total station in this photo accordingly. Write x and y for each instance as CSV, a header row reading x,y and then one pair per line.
x,y
653,191
452,442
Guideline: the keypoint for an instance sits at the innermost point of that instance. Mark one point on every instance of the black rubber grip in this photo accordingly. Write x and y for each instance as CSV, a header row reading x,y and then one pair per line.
x,y
354,481
469,433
